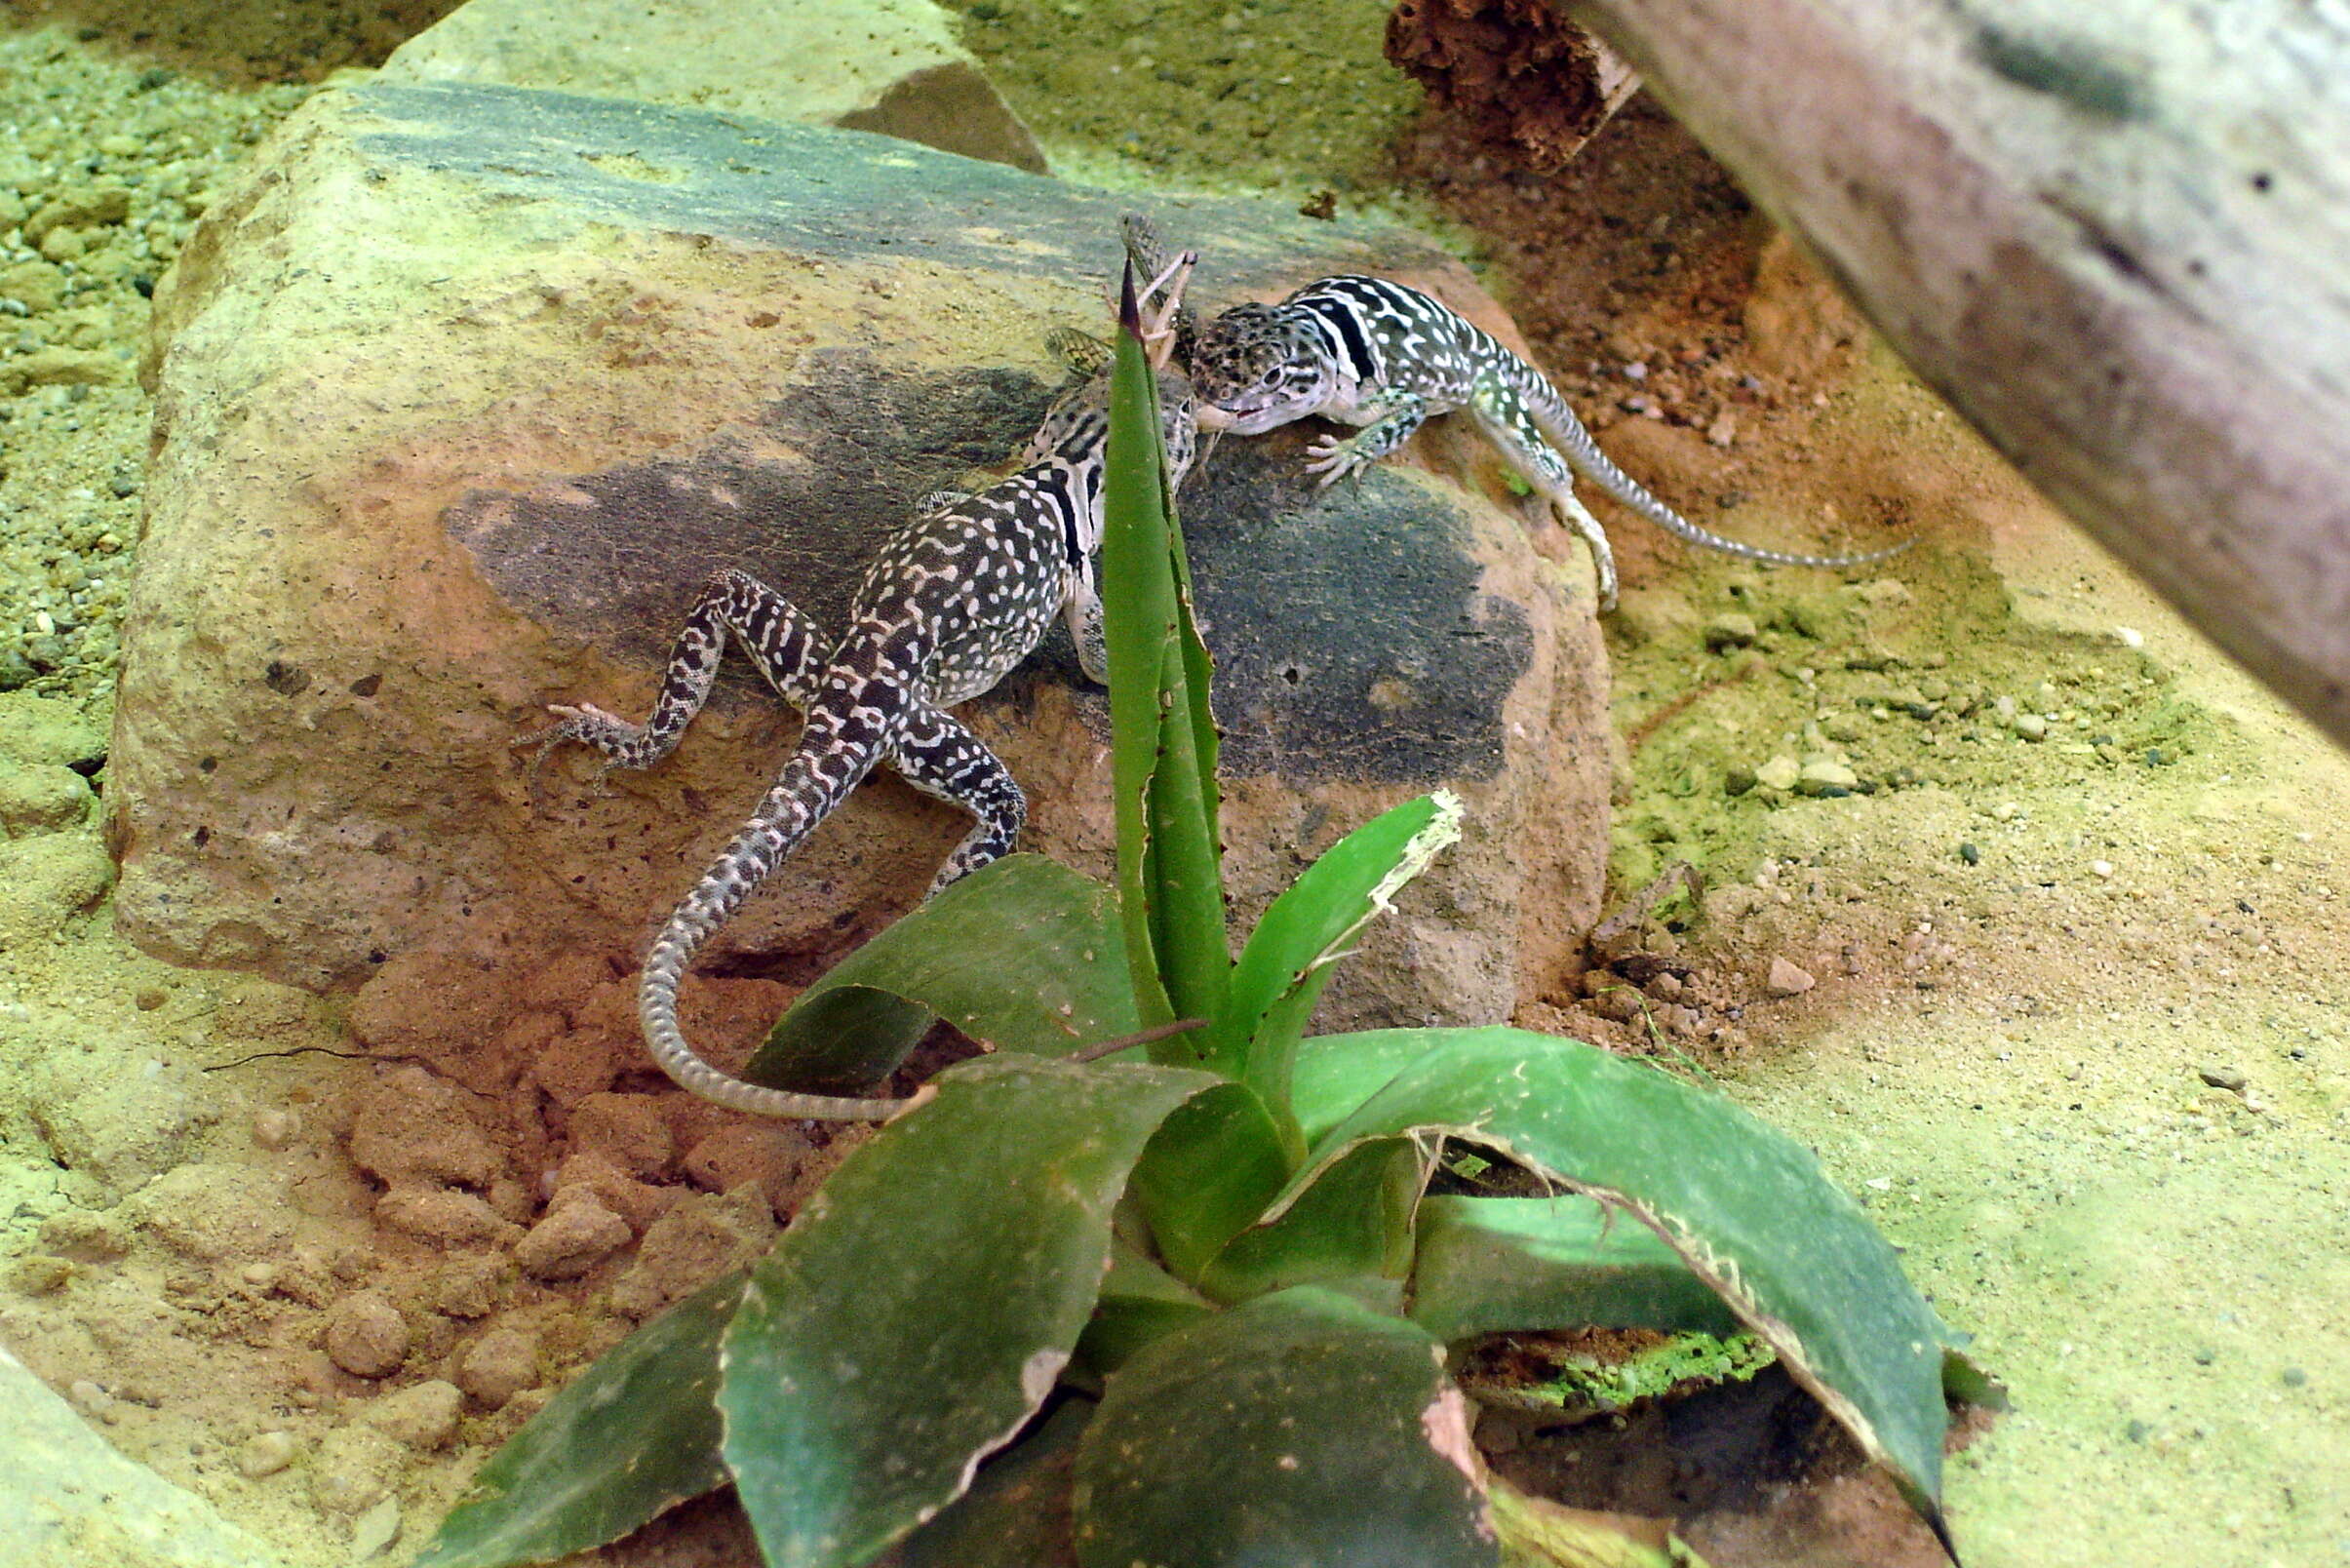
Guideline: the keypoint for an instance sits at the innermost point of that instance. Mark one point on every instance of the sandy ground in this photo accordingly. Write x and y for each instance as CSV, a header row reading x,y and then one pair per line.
x,y
2071,890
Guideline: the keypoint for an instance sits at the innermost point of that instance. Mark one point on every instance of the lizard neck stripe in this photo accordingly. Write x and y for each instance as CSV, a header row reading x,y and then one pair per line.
x,y
1339,318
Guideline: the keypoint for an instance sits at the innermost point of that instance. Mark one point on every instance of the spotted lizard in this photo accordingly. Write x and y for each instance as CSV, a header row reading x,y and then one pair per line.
x,y
954,599
1364,351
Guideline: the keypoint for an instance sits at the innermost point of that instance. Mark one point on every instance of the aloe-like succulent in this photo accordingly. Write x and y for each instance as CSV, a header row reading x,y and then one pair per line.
x,y
1188,1304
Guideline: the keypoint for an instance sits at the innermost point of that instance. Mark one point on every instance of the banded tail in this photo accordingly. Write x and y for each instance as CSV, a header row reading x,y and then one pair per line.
x,y
1575,443
844,742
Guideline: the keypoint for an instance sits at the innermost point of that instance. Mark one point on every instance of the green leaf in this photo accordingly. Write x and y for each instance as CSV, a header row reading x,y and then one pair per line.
x,y
1023,954
1310,927
1489,1265
1302,1428
1163,743
1355,1221
1336,1074
922,1304
1141,1302
1210,1170
1746,1207
630,1438
1016,1513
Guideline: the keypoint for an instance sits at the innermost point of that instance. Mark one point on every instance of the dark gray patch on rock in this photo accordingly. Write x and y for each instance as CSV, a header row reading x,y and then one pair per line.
x,y
1349,635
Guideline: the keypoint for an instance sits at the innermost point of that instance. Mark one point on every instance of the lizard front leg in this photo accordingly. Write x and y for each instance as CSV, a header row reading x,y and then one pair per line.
x,y
1506,422
782,643
1083,614
1333,458
939,756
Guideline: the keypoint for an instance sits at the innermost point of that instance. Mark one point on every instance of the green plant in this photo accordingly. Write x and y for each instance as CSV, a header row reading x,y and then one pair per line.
x,y
1188,1301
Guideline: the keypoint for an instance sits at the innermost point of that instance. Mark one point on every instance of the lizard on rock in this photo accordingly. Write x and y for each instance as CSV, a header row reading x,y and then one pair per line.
x,y
1366,351
954,600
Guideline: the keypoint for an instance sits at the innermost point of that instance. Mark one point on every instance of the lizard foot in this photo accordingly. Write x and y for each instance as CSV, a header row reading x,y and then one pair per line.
x,y
1334,458
611,734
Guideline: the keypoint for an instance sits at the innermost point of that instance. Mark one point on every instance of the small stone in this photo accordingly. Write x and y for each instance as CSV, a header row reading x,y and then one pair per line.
x,y
1826,779
275,1128
470,1287
366,1335
502,1364
1968,852
1780,772
2100,868
577,1234
2204,1355
2031,726
2292,1377
2130,637
1787,980
266,1453
1730,631
353,1471
375,1529
2223,1078
443,1216
1665,987
150,998
1738,780
422,1416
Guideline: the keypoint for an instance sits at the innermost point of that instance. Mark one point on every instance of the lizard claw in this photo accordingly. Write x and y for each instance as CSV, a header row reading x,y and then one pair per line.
x,y
585,722
1332,458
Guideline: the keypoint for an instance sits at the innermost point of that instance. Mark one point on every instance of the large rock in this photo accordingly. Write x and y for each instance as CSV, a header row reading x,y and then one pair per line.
x,y
889,66
463,392
70,1500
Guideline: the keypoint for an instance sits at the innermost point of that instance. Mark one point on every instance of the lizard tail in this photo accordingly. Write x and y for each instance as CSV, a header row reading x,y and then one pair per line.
x,y
818,777
1574,443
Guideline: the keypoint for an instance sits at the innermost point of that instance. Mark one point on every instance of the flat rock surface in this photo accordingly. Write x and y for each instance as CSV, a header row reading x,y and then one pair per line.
x,y
463,391
894,67
69,1501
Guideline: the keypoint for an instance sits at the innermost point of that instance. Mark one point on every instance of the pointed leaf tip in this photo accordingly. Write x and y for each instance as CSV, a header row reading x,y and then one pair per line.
x,y
1130,313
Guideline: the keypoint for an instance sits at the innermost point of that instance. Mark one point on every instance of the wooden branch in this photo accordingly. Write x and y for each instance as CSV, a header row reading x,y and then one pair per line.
x,y
2117,237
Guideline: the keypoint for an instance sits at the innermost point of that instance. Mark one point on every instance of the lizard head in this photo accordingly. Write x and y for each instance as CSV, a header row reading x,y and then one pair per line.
x,y
1255,367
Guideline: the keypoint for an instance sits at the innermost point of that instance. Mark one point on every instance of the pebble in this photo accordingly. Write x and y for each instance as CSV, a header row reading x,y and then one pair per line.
x,y
2031,726
2292,1377
577,1234
1730,631
502,1364
266,1453
1823,778
353,1471
375,1529
422,1416
2230,1079
1968,852
2100,868
1780,772
366,1335
1787,980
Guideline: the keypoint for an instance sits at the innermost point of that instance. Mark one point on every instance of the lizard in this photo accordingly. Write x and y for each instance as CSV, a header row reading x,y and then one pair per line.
x,y
950,605
1368,352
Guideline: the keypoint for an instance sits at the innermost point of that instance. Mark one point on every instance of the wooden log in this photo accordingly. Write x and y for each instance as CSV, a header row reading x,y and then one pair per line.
x,y
2116,237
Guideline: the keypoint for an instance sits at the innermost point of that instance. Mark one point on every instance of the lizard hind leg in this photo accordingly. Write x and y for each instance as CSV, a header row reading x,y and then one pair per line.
x,y
939,756
1506,423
